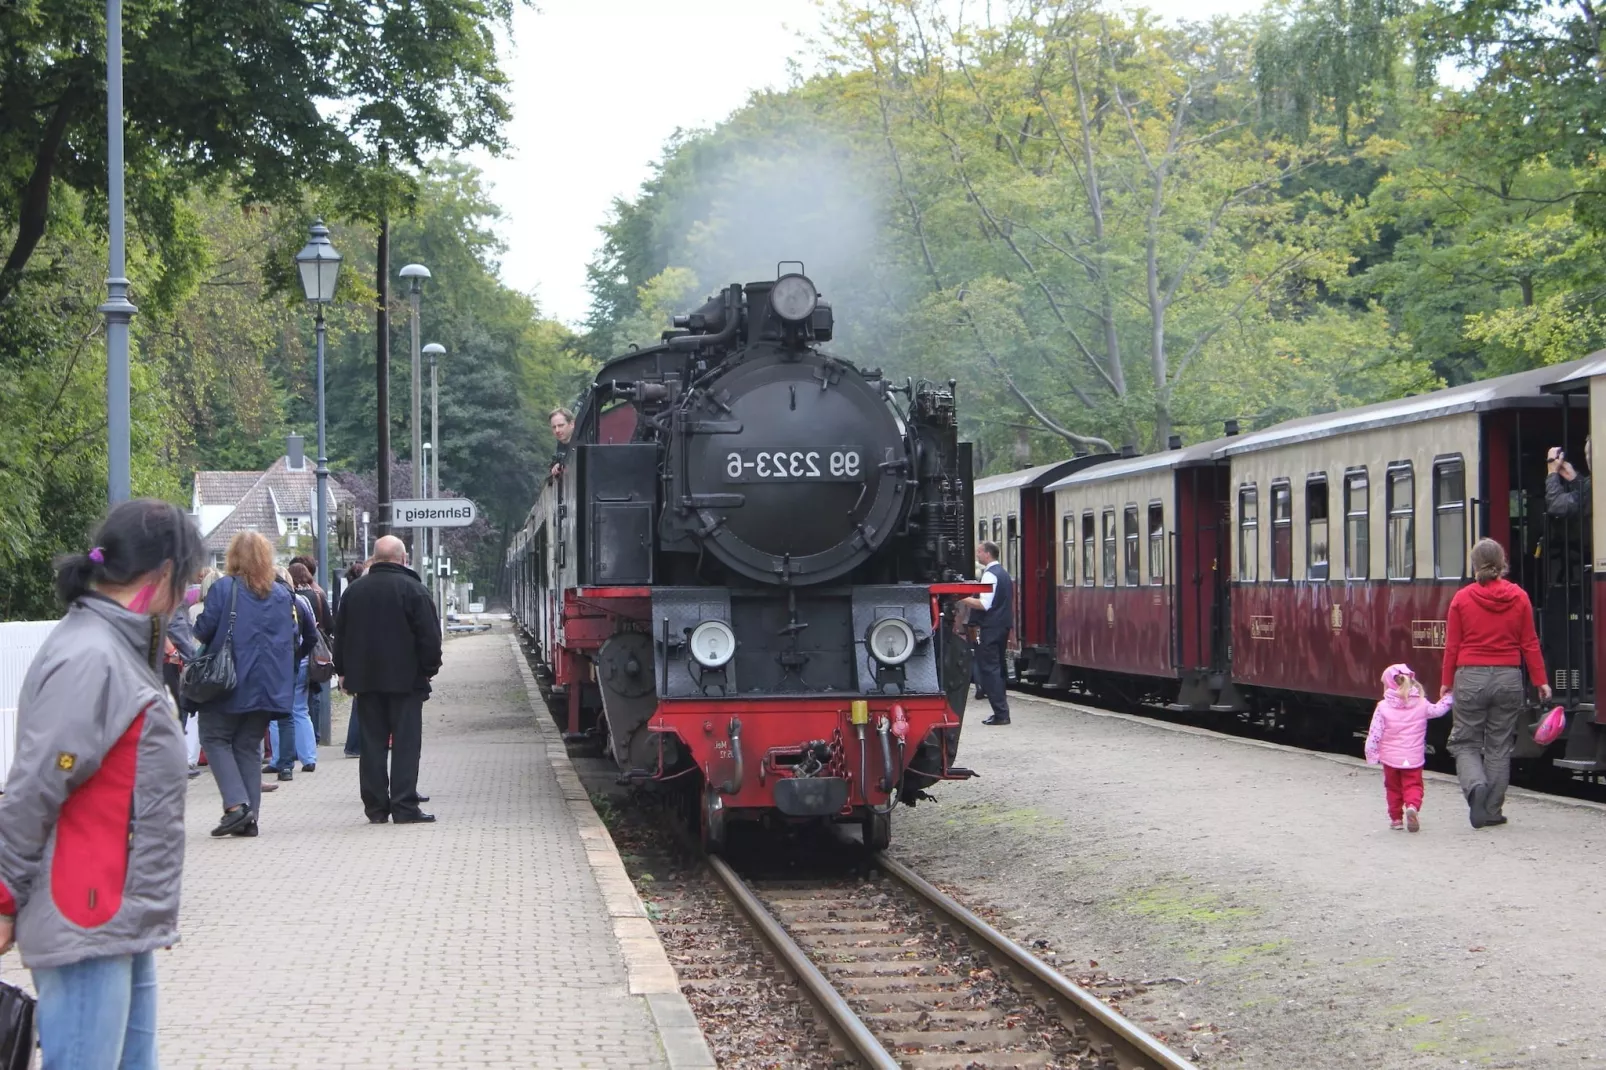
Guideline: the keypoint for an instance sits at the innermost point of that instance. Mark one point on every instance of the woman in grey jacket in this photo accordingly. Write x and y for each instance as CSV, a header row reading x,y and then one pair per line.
x,y
92,821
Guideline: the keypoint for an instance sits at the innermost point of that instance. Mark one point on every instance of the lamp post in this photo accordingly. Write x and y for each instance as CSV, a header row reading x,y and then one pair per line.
x,y
435,351
416,274
319,266
424,559
118,310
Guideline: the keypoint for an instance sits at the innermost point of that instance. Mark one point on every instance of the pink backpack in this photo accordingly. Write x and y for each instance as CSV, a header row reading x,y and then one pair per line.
x,y
1550,727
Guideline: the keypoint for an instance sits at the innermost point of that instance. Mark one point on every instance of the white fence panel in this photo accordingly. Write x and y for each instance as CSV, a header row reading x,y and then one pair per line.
x,y
19,641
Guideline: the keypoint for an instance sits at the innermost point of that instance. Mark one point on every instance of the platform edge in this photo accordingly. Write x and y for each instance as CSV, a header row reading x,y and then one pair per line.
x,y
647,964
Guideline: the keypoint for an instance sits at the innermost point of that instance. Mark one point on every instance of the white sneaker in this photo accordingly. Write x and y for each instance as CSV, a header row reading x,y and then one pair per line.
x,y
1411,823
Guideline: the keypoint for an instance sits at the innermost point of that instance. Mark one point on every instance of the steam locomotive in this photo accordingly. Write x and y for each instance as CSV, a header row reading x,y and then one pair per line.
x,y
745,576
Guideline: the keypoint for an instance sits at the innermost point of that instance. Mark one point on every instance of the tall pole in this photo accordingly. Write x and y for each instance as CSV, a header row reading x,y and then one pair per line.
x,y
322,472
418,426
382,380
118,310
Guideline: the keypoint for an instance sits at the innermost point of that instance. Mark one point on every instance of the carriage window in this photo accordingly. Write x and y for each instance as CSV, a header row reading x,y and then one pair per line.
x,y
1068,537
998,533
981,531
1357,525
1282,530
1156,543
1400,548
1316,527
1012,547
1109,547
1449,518
1132,540
1089,559
1248,534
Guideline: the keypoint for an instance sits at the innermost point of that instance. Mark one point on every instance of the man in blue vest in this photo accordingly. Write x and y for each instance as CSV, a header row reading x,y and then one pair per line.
x,y
997,607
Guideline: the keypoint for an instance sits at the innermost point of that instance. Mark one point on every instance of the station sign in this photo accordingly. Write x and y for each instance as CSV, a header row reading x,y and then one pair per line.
x,y
432,513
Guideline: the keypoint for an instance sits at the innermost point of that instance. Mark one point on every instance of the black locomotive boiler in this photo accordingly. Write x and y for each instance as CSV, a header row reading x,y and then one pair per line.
x,y
744,575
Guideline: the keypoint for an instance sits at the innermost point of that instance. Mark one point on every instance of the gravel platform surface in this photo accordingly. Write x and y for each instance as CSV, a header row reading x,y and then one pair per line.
x,y
1258,895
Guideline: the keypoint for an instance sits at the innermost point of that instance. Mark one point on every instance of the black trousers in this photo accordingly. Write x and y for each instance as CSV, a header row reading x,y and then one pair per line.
x,y
990,654
392,729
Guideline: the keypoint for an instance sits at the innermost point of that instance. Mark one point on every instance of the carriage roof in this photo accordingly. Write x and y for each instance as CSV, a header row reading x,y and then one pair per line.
x,y
1500,392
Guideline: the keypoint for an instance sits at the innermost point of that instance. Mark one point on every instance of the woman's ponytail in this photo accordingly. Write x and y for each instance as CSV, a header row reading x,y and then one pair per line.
x,y
75,575
1488,561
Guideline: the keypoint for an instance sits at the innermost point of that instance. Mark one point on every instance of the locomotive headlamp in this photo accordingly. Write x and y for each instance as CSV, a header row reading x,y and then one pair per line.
x,y
793,298
712,644
891,640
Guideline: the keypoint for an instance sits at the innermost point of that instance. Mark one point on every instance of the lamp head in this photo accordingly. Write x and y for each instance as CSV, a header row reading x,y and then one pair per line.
x,y
433,350
417,273
318,265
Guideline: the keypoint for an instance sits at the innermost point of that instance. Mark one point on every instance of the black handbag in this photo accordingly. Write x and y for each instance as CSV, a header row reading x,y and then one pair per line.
x,y
16,1027
210,676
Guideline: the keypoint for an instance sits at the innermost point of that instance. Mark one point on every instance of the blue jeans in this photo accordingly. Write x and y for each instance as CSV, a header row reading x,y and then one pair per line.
x,y
98,1014
294,738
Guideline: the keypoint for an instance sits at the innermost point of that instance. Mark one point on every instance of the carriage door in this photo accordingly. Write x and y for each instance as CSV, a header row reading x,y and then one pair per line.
x,y
1012,566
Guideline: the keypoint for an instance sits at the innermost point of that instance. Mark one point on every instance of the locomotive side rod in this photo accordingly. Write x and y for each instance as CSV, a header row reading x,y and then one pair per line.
x,y
1132,1047
844,1024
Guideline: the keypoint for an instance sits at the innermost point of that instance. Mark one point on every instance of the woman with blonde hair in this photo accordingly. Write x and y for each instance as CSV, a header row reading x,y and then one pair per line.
x,y
1489,639
249,610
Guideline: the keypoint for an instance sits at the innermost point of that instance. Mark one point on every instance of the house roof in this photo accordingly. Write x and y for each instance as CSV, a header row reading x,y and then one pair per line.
x,y
224,488
279,490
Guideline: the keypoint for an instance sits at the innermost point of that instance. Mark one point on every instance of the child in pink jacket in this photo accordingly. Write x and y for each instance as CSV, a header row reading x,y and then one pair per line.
x,y
1398,741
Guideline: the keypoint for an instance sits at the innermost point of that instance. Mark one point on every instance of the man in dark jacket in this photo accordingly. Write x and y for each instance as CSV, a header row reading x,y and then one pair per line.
x,y
387,649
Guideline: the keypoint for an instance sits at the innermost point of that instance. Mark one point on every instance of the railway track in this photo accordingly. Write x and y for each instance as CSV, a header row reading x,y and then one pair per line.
x,y
904,976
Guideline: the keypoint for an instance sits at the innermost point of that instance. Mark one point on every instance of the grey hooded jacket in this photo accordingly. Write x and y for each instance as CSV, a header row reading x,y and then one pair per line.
x,y
92,821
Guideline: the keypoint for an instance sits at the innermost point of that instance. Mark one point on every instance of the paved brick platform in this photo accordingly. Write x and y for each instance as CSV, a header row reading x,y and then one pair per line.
x,y
482,940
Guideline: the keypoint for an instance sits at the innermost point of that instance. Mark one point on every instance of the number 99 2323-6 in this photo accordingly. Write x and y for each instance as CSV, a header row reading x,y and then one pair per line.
x,y
837,464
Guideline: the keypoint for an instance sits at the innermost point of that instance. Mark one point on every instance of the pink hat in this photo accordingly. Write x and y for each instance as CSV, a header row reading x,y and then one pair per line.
x,y
1396,670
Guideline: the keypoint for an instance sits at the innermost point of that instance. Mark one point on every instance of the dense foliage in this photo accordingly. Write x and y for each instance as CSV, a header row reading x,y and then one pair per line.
x,y
246,120
1110,229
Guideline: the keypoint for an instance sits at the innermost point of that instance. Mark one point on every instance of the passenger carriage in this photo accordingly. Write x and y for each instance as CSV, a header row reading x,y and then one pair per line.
x,y
1272,575
1015,511
1139,597
1351,534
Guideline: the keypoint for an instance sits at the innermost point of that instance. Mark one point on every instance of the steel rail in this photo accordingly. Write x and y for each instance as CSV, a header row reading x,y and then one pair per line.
x,y
843,1022
1134,1048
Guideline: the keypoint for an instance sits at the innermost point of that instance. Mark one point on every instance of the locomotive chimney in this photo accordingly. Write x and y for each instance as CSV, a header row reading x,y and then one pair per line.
x,y
1231,428
1174,442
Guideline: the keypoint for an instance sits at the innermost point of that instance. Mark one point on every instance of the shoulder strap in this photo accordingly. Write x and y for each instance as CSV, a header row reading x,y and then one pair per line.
x,y
234,594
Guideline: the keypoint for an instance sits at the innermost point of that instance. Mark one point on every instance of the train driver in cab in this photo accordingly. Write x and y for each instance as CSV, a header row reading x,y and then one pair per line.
x,y
997,618
562,421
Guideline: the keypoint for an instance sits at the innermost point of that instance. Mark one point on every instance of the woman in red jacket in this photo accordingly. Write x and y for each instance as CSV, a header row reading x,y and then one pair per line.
x,y
1489,639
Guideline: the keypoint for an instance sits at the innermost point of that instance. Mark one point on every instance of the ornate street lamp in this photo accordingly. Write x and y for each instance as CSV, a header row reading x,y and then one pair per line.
x,y
319,267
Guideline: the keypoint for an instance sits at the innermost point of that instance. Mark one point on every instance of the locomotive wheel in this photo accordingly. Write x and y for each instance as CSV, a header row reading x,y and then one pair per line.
x,y
711,827
877,830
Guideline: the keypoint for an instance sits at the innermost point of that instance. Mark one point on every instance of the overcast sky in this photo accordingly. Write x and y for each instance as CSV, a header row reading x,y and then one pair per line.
x,y
600,85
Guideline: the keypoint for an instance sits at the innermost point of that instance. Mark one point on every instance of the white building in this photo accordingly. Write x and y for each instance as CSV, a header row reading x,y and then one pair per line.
x,y
281,503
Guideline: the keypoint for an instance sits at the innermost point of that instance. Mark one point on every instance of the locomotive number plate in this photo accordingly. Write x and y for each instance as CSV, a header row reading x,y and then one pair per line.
x,y
826,464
